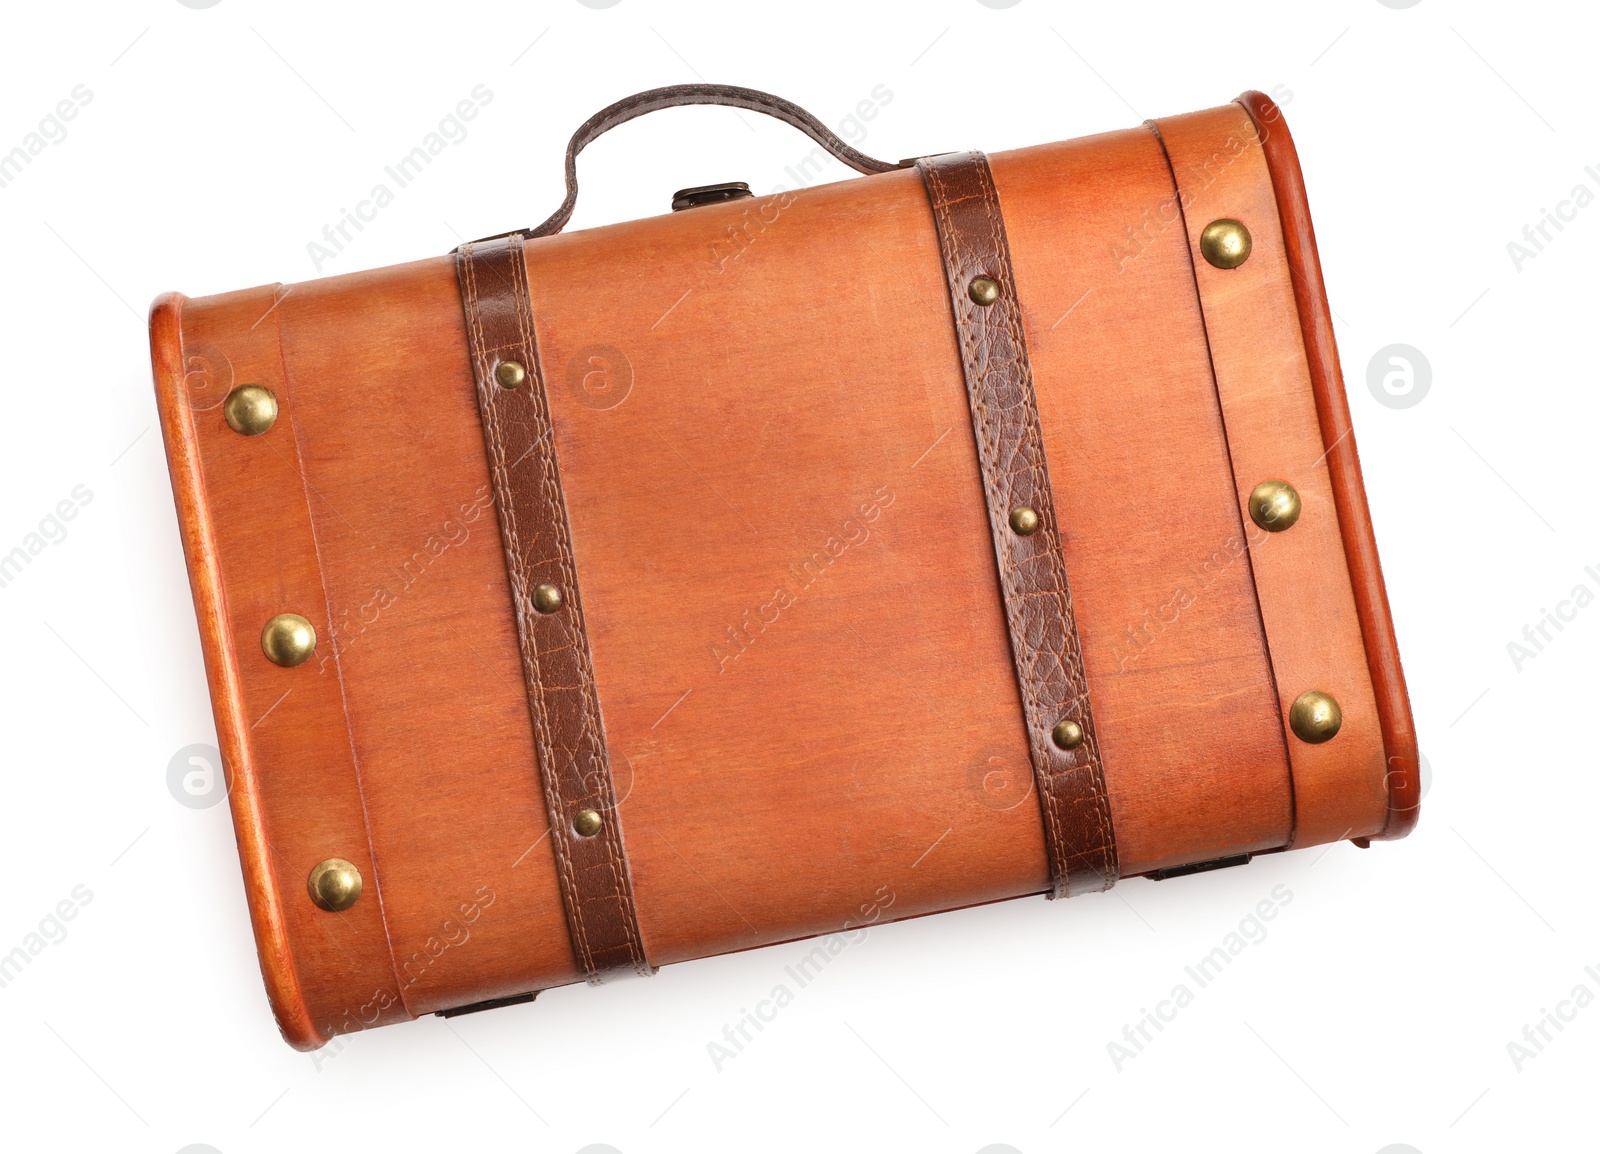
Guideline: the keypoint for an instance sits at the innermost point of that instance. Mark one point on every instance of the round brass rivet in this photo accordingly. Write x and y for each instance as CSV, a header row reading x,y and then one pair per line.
x,y
250,410
1274,505
335,885
1225,243
1024,521
1067,735
510,374
546,598
587,823
1315,717
288,640
983,290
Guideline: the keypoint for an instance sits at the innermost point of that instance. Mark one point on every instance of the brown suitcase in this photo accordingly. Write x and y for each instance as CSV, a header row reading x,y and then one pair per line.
x,y
577,604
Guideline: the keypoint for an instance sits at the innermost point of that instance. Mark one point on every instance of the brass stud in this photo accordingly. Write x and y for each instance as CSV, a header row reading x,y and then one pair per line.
x,y
1024,521
983,290
1315,717
546,598
335,885
587,823
510,374
1274,505
250,410
289,640
1225,243
1067,735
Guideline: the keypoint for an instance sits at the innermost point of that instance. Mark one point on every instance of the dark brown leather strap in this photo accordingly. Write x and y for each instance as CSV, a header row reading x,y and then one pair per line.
x,y
678,95
1033,573
568,733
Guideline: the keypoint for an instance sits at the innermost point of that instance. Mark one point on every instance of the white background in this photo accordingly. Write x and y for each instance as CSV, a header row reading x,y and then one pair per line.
x,y
1377,1010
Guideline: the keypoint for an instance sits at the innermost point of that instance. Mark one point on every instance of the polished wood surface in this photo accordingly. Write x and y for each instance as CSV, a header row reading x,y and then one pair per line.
x,y
1302,579
1344,466
811,709
1154,544
282,732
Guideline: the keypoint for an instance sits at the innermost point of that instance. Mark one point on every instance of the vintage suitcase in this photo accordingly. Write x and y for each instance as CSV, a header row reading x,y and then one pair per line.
x,y
578,604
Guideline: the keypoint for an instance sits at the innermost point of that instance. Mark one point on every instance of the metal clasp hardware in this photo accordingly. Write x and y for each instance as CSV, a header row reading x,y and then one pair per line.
x,y
1199,867
491,1004
709,194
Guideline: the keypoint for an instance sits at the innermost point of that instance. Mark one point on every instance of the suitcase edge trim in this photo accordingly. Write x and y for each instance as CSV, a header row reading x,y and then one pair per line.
x,y
1344,465
273,948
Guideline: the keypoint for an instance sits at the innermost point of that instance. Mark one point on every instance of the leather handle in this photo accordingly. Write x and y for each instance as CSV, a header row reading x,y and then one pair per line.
x,y
677,95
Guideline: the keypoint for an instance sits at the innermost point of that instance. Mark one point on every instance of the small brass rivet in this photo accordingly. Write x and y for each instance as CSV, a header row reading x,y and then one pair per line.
x,y
587,823
546,598
1315,717
335,885
983,290
1067,735
1225,243
1024,521
250,410
288,640
1274,505
510,374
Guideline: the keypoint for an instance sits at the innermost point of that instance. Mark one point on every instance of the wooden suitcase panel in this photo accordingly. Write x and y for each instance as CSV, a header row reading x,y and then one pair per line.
x,y
422,625
786,566
1302,575
252,554
764,437
1154,544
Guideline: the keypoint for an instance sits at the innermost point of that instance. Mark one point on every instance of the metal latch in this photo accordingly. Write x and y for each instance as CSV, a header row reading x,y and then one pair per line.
x,y
1199,867
491,1004
709,194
